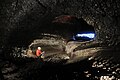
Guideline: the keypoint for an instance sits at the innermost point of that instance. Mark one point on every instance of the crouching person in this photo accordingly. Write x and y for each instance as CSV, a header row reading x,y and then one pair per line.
x,y
39,52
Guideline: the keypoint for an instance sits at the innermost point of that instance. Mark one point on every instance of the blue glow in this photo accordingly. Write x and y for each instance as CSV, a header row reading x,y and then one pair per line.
x,y
89,35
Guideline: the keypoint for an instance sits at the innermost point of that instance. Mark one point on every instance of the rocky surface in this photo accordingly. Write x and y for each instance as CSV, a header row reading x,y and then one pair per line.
x,y
22,21
29,16
56,66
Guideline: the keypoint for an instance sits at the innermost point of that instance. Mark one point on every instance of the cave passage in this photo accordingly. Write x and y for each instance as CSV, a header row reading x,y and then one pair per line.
x,y
53,37
81,39
64,26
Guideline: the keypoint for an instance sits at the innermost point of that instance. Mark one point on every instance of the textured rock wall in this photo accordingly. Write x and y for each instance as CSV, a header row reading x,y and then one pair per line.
x,y
26,16
21,20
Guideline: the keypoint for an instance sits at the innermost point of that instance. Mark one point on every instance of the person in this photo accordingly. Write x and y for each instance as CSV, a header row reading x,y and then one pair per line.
x,y
39,52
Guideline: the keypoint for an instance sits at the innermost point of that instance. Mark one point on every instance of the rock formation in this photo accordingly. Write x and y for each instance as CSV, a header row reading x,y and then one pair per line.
x,y
23,21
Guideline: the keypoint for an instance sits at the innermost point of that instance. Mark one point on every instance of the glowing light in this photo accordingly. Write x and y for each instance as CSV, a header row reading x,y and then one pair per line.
x,y
89,35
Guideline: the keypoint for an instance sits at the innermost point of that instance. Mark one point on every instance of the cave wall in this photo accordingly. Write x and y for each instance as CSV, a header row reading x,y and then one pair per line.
x,y
21,20
30,16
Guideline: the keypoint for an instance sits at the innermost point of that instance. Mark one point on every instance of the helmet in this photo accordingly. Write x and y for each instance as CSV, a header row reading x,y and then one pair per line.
x,y
39,48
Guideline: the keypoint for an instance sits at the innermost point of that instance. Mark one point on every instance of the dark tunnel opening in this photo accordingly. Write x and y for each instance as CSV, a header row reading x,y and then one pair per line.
x,y
66,26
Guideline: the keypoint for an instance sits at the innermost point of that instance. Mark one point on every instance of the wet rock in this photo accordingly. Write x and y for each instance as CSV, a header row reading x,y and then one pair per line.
x,y
56,58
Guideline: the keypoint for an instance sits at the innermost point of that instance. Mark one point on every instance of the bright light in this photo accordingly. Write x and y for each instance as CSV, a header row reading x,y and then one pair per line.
x,y
89,35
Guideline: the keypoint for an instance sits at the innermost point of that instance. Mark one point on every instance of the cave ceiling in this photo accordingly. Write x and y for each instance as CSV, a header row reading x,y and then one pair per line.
x,y
30,15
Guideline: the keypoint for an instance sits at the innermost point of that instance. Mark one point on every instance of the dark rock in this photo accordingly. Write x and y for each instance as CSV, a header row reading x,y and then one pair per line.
x,y
22,21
